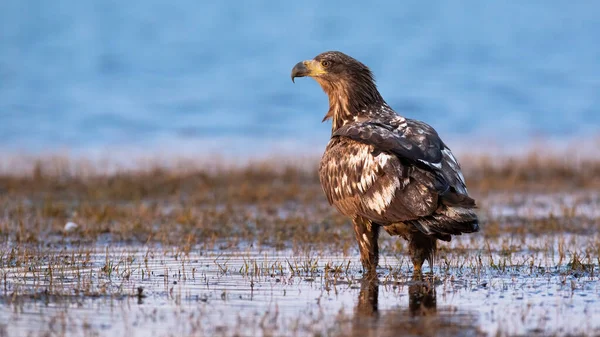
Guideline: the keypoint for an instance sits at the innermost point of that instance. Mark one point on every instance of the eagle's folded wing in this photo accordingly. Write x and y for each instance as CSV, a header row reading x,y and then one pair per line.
x,y
416,144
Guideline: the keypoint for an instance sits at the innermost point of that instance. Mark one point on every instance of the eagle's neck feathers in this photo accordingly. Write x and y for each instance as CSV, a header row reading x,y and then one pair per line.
x,y
351,99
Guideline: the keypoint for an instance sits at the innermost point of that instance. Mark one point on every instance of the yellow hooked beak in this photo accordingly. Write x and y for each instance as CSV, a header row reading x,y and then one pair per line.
x,y
307,68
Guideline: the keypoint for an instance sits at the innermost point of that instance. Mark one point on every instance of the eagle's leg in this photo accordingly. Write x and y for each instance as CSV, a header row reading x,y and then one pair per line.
x,y
366,234
421,247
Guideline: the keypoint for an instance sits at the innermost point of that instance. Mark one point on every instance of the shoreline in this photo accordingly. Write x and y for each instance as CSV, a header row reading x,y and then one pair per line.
x,y
535,169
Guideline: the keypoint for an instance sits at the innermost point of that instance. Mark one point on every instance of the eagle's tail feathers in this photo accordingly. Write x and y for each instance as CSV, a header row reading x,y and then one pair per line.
x,y
448,221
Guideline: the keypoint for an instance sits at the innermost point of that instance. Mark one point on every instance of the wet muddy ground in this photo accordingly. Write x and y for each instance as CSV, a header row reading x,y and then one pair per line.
x,y
154,291
258,251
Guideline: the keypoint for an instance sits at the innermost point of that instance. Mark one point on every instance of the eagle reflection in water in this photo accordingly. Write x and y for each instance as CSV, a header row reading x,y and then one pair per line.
x,y
368,320
423,317
421,297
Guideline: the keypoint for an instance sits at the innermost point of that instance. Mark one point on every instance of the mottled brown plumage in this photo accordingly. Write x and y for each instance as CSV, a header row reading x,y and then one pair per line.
x,y
384,170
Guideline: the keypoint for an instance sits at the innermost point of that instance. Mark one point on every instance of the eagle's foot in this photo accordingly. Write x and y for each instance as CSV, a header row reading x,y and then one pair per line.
x,y
421,247
366,235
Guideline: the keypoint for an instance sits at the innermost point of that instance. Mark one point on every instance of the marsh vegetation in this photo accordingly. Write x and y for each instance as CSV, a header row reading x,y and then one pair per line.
x,y
203,248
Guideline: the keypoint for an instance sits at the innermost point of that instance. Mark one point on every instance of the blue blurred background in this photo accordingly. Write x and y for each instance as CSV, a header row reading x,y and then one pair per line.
x,y
215,75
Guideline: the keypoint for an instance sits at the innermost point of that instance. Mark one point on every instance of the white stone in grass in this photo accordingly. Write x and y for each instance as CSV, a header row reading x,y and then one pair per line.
x,y
71,227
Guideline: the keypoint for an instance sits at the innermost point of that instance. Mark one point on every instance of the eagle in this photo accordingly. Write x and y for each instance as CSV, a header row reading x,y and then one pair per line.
x,y
383,170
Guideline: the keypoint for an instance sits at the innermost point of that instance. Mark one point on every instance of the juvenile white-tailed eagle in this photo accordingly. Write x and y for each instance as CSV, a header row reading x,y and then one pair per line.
x,y
384,170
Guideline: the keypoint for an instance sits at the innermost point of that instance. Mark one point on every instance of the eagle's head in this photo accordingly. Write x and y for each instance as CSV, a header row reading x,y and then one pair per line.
x,y
332,67
348,83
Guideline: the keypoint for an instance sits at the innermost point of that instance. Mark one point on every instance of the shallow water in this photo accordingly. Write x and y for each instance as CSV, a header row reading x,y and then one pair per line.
x,y
153,291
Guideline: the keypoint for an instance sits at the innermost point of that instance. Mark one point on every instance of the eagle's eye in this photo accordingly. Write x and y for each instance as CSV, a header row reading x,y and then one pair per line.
x,y
325,63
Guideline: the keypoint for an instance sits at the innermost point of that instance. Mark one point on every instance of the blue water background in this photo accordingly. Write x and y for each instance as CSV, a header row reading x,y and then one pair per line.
x,y
215,75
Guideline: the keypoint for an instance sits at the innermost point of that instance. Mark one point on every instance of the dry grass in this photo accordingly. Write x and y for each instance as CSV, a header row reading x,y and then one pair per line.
x,y
533,172
273,202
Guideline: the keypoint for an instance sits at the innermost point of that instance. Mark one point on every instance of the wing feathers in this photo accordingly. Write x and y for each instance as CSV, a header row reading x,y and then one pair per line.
x,y
416,144
392,173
